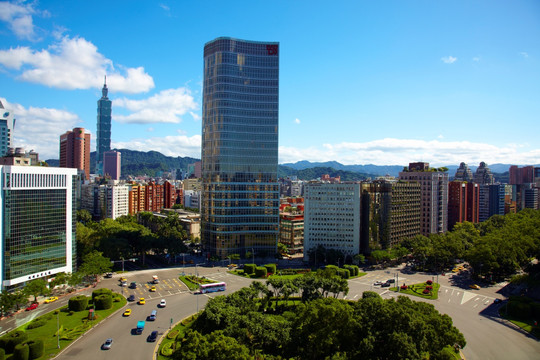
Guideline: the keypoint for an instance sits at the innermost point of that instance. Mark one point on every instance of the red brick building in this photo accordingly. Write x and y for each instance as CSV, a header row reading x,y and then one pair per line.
x,y
463,202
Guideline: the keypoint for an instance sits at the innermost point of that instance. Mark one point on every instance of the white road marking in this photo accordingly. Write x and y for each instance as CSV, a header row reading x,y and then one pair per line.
x,y
467,296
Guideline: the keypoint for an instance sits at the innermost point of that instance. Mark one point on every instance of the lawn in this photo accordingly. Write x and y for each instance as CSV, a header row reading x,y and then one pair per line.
x,y
73,325
526,325
190,284
416,290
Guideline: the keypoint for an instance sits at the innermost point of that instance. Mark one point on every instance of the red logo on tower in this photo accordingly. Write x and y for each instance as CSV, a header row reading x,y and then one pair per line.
x,y
272,49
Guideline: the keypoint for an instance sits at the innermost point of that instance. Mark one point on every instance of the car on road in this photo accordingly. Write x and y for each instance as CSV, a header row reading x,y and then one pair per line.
x,y
51,299
32,307
131,298
107,344
133,285
153,289
474,286
153,336
162,303
386,284
497,301
376,283
122,279
127,312
142,301
391,281
108,275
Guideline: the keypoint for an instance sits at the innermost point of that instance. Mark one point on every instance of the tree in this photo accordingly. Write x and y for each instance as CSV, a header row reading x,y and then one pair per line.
x,y
36,287
84,216
359,259
282,248
7,301
95,264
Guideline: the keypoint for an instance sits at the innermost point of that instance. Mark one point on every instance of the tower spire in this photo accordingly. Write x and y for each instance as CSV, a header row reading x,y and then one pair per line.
x,y
104,91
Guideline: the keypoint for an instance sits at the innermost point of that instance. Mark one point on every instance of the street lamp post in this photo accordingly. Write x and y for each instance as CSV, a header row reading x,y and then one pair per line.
x,y
58,329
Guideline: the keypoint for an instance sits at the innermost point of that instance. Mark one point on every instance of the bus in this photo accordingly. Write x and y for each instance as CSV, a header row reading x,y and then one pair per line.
x,y
206,288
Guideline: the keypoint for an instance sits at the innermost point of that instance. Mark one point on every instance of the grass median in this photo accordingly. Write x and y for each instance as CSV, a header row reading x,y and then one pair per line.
x,y
418,290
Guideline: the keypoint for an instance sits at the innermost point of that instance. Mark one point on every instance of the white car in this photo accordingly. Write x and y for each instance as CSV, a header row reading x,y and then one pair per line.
x,y
162,303
376,283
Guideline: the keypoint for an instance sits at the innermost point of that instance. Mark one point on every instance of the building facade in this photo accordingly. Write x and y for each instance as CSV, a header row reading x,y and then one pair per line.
x,y
112,163
75,150
332,217
524,175
491,200
105,201
103,140
7,125
240,195
390,213
463,173
483,175
434,202
463,202
38,206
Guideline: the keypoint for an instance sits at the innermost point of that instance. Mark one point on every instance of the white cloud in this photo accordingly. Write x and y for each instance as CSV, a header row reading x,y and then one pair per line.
x,y
391,151
195,116
440,136
174,145
165,107
39,129
297,121
476,58
524,54
449,59
19,19
74,63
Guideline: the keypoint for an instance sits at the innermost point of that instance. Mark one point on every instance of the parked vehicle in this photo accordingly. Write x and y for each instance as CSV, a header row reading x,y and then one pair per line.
x,y
474,286
32,307
51,299
155,279
108,275
153,289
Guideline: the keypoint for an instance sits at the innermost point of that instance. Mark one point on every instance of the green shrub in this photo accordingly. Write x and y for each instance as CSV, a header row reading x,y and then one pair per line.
x,y
370,294
260,271
271,268
520,310
78,303
36,323
103,302
21,352
344,273
249,268
102,291
15,338
167,349
353,269
3,341
172,334
2,354
36,348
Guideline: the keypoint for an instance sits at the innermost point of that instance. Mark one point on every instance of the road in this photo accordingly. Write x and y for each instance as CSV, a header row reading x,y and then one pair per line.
x,y
473,313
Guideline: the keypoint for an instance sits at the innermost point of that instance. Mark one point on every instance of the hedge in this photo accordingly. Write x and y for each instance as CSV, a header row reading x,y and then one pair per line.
x,y
2,354
270,268
344,273
353,269
103,302
13,339
36,323
260,271
21,352
78,303
102,291
168,349
249,269
36,348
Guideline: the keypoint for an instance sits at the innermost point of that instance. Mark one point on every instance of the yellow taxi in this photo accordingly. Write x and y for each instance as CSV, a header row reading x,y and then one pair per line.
x,y
127,312
51,299
142,301
153,289
474,286
123,278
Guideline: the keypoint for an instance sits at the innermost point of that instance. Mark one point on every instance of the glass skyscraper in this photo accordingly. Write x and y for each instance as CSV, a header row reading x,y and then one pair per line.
x,y
240,196
104,111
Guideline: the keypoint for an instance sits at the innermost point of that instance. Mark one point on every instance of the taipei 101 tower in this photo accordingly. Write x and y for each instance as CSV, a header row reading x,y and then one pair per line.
x,y
104,111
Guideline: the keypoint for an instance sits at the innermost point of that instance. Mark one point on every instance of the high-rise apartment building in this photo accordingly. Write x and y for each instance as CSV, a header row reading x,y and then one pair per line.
x,y
434,202
112,162
491,199
463,173
240,195
332,217
463,202
7,125
390,213
37,227
105,201
104,111
75,150
483,175
524,175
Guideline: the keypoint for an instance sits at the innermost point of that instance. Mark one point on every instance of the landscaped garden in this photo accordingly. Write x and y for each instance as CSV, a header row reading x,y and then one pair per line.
x,y
426,290
40,337
193,282
270,271
523,312
172,339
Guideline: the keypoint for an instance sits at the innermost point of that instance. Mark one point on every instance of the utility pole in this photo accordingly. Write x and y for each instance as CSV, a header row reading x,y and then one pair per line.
x,y
58,329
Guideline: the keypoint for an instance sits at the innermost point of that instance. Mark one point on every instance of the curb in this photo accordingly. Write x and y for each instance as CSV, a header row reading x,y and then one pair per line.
x,y
156,348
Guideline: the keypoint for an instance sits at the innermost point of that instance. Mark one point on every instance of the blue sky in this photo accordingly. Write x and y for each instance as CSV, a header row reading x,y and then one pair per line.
x,y
361,82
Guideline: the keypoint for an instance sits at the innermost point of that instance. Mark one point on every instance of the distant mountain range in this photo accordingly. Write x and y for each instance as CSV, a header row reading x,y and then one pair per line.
x,y
151,162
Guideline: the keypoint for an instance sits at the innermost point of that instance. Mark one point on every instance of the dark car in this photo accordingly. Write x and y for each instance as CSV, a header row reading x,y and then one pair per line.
x,y
386,284
497,301
133,285
153,336
107,344
391,281
131,298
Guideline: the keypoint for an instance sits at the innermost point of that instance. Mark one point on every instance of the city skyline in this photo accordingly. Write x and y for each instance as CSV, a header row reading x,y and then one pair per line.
x,y
361,83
